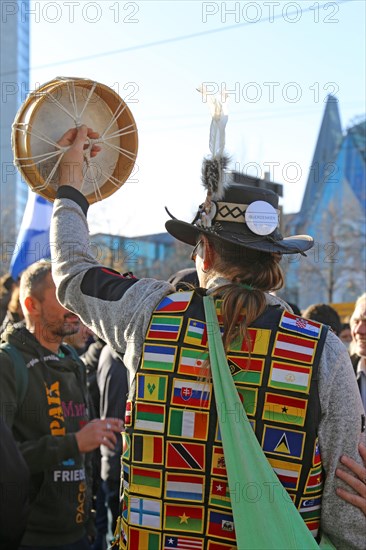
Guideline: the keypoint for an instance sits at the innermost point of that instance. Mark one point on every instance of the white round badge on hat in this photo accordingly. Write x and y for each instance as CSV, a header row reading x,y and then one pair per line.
x,y
261,217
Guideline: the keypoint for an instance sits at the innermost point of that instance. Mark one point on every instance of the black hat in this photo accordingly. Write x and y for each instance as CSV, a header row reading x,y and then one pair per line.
x,y
246,216
234,213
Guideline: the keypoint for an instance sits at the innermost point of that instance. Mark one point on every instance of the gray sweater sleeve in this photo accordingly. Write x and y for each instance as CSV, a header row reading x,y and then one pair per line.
x,y
339,433
119,322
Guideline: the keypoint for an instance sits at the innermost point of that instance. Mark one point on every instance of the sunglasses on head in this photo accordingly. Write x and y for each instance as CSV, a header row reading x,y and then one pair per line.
x,y
195,250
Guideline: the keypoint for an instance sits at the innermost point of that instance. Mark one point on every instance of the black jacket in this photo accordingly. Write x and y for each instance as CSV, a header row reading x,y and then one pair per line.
x,y
44,426
14,489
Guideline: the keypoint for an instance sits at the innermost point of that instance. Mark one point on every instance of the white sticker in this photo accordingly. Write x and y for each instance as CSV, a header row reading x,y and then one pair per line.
x,y
261,218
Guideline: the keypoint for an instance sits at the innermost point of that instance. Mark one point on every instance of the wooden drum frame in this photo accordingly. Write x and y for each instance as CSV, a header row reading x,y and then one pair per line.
x,y
64,103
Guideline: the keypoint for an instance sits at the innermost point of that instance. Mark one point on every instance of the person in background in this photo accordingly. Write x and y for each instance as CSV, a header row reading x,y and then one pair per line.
x,y
324,313
89,349
295,308
171,417
7,285
345,334
43,400
79,339
113,387
14,490
14,313
358,344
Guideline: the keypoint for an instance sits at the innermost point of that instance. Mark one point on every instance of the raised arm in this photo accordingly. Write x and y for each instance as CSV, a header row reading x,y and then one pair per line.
x,y
107,302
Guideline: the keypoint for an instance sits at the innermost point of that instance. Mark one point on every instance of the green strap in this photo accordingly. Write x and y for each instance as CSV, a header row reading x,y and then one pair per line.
x,y
20,368
264,514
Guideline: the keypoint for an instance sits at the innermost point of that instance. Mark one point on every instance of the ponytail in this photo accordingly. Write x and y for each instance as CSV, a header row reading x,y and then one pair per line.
x,y
252,273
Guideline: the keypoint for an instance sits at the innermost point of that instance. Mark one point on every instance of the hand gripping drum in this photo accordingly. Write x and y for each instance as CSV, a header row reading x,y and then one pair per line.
x,y
63,103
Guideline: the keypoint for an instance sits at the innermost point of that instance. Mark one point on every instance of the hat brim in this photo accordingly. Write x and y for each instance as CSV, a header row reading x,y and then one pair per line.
x,y
189,234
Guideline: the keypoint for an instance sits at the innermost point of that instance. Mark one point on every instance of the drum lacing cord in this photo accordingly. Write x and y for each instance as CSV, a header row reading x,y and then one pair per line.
x,y
77,118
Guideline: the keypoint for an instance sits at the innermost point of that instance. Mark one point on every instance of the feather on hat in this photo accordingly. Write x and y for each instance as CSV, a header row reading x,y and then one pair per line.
x,y
213,165
240,214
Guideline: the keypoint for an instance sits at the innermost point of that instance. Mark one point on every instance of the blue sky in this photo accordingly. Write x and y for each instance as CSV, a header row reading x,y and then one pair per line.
x,y
278,59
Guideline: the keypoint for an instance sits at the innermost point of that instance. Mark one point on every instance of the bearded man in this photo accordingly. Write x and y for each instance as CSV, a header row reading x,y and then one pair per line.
x,y
43,400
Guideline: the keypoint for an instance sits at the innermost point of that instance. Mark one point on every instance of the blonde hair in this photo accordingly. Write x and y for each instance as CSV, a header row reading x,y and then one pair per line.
x,y
360,299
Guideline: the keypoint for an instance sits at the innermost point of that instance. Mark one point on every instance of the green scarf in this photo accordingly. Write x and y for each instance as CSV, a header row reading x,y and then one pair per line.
x,y
264,515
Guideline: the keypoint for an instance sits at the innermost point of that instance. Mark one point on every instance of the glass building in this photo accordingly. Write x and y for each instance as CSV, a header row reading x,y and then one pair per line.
x,y
333,212
14,82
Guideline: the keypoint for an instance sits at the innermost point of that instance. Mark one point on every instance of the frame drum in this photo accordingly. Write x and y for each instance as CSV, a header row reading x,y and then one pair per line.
x,y
64,103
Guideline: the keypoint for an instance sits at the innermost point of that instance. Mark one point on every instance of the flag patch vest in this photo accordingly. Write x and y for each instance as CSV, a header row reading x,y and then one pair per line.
x,y
174,485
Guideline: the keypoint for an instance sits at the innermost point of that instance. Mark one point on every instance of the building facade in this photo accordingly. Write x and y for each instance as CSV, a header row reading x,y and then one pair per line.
x,y
14,82
146,256
333,212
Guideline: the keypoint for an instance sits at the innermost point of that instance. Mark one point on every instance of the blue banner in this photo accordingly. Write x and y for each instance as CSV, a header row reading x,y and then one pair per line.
x,y
34,235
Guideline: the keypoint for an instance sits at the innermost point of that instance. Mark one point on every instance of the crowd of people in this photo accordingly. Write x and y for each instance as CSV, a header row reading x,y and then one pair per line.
x,y
84,348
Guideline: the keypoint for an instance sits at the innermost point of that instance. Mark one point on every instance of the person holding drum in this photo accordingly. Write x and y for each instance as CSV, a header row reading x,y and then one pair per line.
x,y
287,370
